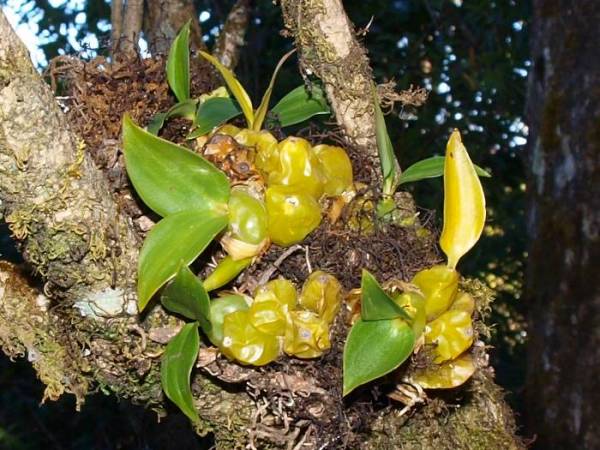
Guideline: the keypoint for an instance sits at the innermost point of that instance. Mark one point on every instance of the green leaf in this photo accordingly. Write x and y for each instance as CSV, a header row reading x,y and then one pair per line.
x,y
261,111
178,64
299,105
431,168
212,113
225,271
170,178
176,239
376,304
374,349
185,109
390,168
234,86
157,122
186,295
176,367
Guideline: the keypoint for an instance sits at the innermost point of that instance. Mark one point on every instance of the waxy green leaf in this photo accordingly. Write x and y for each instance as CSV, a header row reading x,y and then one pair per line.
x,y
170,178
374,349
234,86
390,168
186,295
212,113
299,105
375,303
176,239
431,168
185,109
176,367
261,111
178,64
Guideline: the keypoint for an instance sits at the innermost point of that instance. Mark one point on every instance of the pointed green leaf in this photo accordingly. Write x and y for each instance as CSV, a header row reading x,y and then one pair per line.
x,y
186,295
299,105
261,111
157,122
170,178
390,168
175,239
227,269
185,109
431,168
178,64
212,113
375,303
234,86
176,367
374,349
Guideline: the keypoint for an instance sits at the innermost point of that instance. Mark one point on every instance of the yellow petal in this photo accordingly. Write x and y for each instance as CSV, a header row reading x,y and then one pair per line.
x,y
464,202
234,86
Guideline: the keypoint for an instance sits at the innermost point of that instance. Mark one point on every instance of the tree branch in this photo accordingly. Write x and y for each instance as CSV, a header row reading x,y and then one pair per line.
x,y
231,39
328,48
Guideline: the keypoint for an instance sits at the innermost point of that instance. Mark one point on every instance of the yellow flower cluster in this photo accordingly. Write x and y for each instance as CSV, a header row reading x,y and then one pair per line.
x,y
257,330
296,177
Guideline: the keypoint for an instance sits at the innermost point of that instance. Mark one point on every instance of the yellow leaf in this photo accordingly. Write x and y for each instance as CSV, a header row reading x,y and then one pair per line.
x,y
464,202
234,86
261,112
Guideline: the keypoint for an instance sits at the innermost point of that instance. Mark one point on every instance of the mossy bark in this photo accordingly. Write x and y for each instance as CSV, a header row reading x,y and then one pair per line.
x,y
329,49
563,288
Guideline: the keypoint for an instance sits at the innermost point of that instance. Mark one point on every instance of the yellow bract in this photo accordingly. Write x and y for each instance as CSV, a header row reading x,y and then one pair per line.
x,y
452,333
322,294
245,343
439,286
307,335
336,168
447,375
464,202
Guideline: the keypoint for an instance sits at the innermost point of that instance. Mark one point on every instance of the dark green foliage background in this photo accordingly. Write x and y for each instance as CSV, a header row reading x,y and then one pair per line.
x,y
477,48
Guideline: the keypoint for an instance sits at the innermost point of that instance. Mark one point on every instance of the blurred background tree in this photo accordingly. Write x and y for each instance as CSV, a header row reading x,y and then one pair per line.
x,y
473,58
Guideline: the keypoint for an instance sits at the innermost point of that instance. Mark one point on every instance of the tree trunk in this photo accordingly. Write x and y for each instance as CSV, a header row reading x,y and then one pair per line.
x,y
563,287
164,18
82,331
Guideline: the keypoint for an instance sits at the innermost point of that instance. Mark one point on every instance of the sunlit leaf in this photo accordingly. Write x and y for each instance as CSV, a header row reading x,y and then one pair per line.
x,y
390,169
299,105
431,168
261,111
178,64
186,295
185,109
373,349
464,202
170,178
176,367
375,303
212,113
176,239
234,86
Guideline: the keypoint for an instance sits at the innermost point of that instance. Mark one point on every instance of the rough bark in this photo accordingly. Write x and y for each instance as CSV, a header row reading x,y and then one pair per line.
x,y
563,288
84,331
126,18
328,48
231,39
164,18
